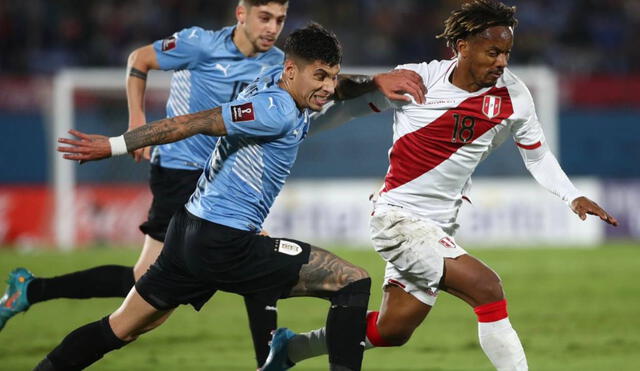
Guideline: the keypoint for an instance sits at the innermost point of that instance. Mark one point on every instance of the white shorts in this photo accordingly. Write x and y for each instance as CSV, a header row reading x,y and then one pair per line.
x,y
414,249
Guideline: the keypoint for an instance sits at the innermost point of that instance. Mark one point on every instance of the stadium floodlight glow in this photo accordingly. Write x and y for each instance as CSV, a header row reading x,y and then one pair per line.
x,y
541,80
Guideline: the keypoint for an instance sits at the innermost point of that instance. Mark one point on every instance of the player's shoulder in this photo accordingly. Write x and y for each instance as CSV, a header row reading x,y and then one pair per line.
x,y
429,71
517,88
272,56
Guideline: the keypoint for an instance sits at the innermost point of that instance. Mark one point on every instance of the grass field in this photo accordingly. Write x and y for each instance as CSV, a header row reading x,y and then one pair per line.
x,y
574,309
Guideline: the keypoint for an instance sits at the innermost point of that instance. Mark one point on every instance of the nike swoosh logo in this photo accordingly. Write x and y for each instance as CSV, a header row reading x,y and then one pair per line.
x,y
12,298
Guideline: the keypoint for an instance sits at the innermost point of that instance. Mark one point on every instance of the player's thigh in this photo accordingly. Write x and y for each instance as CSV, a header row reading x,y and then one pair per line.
x,y
400,313
325,273
471,280
150,252
135,316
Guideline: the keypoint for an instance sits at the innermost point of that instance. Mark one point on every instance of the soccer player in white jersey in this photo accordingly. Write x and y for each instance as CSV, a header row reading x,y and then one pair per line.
x,y
473,103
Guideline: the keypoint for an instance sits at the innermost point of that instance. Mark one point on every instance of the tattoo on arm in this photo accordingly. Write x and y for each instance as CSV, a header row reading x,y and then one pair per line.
x,y
324,274
352,86
134,72
173,129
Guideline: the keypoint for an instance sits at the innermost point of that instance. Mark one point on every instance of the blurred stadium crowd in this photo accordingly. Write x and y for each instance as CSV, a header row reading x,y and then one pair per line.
x,y
572,36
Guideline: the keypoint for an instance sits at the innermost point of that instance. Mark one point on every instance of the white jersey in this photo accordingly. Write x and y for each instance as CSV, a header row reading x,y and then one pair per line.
x,y
437,145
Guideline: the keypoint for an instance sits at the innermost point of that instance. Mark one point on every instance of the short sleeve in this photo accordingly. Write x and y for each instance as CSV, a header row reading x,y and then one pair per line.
x,y
184,49
262,115
526,130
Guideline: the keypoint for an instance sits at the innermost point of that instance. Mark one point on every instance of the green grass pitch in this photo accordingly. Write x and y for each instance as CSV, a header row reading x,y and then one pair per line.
x,y
574,309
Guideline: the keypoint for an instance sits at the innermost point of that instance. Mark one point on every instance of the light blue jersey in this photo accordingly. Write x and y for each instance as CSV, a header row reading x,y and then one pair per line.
x,y
209,70
251,163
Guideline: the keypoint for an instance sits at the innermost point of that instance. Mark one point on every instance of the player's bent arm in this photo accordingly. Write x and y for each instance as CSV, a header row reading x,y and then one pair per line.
x,y
336,113
139,63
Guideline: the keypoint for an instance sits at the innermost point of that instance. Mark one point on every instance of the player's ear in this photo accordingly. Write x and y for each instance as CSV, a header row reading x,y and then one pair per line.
x,y
462,47
241,14
290,69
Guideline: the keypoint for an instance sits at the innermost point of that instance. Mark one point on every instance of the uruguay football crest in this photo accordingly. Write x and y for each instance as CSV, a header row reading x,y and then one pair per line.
x,y
491,106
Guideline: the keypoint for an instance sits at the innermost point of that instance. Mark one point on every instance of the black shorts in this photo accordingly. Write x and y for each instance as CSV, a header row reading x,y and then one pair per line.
x,y
171,189
200,257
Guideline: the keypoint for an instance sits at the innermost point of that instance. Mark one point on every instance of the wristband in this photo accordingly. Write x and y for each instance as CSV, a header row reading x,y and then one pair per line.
x,y
118,146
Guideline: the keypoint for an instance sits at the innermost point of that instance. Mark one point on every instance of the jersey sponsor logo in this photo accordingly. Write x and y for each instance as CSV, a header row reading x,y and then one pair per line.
x,y
288,248
243,112
491,106
224,69
169,43
193,35
447,242
271,104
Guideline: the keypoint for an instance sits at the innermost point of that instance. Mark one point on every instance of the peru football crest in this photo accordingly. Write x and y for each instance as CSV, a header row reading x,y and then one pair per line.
x,y
491,106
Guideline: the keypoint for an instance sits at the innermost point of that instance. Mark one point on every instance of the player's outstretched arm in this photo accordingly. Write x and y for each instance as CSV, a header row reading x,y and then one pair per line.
x,y
583,206
89,147
393,85
139,63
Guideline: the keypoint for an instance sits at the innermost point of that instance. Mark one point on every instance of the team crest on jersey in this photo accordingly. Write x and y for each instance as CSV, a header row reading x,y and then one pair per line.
x,y
447,242
491,106
243,112
169,43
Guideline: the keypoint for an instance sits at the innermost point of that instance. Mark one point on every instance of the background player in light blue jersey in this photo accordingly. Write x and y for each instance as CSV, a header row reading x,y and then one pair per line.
x,y
212,243
210,68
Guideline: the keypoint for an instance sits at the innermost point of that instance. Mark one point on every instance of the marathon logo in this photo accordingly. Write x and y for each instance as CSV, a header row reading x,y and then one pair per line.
x,y
243,112
447,242
169,43
288,247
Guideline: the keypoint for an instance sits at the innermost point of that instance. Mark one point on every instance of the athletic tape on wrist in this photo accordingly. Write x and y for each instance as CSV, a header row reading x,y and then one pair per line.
x,y
118,146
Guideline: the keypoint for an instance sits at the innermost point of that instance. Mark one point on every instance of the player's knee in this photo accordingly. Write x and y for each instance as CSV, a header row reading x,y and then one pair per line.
x,y
489,289
354,294
397,335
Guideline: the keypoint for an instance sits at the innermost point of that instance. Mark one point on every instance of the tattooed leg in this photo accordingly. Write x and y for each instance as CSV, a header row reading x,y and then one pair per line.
x,y
347,287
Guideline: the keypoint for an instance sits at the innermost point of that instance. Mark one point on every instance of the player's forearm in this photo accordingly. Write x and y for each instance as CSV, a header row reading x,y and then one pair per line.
x,y
546,170
352,86
173,129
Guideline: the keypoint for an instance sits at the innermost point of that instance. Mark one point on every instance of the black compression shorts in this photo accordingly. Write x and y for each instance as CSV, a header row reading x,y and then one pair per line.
x,y
171,189
200,257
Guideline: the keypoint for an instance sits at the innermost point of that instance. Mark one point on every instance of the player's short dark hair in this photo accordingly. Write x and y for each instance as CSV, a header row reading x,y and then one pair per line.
x,y
314,43
250,3
474,17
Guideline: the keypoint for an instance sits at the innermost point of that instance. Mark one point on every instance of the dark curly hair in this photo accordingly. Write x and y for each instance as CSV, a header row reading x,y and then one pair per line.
x,y
474,17
314,43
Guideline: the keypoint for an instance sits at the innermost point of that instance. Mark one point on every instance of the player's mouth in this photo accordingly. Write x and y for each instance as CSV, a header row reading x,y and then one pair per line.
x,y
495,74
267,40
320,100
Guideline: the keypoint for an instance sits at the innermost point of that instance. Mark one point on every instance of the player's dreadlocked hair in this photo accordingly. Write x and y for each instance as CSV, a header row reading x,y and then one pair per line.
x,y
250,3
314,43
474,17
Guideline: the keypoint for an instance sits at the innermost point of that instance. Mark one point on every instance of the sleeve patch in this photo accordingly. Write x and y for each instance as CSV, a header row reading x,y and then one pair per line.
x,y
243,112
169,43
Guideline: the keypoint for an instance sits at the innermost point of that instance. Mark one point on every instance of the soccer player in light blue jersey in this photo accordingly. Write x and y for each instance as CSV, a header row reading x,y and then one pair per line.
x,y
213,243
210,68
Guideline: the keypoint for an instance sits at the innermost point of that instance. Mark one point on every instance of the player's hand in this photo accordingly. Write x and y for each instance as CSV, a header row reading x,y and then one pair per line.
x,y
88,147
583,206
264,233
396,83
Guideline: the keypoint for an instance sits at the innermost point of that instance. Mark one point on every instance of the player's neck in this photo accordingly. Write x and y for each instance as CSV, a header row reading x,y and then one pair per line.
x,y
243,44
289,89
462,78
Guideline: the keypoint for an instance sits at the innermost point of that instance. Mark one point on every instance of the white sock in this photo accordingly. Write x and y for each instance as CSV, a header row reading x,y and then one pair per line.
x,y
501,344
